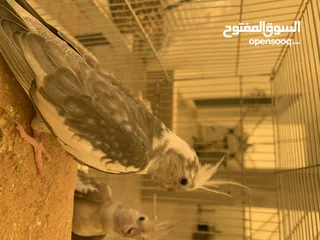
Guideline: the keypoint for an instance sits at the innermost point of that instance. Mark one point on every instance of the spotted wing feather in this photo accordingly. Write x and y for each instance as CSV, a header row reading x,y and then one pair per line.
x,y
94,106
90,189
99,121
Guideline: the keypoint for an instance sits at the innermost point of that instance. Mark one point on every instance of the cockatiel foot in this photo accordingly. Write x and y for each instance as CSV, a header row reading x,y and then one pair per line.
x,y
38,147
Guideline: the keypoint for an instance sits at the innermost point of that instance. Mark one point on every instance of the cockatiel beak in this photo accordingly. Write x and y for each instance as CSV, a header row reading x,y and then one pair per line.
x,y
166,189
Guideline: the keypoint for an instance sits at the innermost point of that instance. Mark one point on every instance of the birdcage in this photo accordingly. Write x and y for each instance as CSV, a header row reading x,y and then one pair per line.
x,y
258,104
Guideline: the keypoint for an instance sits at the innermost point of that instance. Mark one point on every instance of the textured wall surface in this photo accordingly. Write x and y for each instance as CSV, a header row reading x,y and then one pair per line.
x,y
31,207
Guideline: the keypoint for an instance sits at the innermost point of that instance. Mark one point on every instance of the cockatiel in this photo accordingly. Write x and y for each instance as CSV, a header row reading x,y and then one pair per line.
x,y
97,120
97,214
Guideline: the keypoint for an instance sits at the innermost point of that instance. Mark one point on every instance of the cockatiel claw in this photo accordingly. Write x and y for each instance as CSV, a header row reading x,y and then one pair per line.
x,y
38,147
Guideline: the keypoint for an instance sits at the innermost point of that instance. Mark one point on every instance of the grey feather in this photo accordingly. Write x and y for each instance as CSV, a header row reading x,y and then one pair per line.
x,y
91,190
89,199
94,104
12,30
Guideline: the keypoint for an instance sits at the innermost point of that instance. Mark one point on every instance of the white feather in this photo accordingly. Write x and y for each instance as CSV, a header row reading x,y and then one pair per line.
x,y
215,183
83,168
173,142
206,172
84,188
214,191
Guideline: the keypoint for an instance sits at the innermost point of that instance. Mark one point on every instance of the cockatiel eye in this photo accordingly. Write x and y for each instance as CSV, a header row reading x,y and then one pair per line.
x,y
184,181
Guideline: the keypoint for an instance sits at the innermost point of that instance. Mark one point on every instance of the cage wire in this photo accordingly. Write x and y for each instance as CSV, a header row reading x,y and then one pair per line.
x,y
258,105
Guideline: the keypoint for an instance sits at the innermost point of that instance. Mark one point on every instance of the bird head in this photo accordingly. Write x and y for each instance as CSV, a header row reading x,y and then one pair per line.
x,y
175,171
131,224
177,167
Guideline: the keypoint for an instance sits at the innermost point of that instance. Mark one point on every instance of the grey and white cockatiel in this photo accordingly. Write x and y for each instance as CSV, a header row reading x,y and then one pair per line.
x,y
97,120
97,214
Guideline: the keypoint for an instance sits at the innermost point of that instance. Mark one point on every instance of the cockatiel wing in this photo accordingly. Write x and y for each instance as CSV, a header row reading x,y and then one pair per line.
x,y
12,29
93,208
89,189
98,121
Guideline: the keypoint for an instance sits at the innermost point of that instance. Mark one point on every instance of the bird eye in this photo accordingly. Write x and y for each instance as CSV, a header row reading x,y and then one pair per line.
x,y
183,181
141,219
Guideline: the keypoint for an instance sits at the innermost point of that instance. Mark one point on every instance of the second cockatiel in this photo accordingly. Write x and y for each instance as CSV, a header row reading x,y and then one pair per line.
x,y
98,214
97,120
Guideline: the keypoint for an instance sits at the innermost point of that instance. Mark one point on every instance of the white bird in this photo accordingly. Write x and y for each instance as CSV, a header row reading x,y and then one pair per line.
x,y
97,120
97,214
